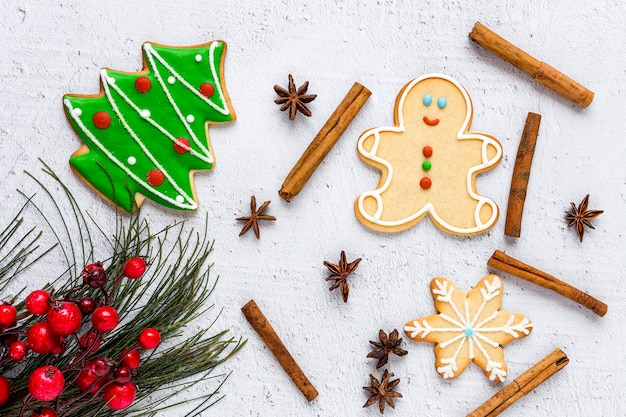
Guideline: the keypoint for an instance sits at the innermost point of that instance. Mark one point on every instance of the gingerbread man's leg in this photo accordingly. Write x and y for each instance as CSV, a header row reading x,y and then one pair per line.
x,y
468,212
397,202
465,214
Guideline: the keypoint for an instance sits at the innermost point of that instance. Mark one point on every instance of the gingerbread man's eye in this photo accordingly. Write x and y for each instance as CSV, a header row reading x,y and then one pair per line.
x,y
442,102
428,100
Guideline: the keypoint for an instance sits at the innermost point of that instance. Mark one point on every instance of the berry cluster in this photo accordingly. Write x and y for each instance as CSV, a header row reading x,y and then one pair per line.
x,y
81,319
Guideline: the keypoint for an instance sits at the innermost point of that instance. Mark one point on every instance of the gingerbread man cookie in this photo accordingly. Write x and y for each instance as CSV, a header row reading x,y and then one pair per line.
x,y
429,162
469,328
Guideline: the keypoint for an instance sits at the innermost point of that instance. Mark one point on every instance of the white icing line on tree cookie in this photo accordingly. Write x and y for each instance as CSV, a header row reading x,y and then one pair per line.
x,y
429,207
191,204
151,54
207,157
223,110
107,91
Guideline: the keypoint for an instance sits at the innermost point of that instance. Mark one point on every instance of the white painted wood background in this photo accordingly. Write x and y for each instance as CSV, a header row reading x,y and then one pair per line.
x,y
54,47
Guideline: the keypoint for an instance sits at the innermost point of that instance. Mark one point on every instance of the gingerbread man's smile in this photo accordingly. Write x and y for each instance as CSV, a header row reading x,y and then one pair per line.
x,y
431,122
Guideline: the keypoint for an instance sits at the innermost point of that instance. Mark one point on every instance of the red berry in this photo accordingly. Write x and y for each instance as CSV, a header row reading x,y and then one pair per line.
x,y
119,396
149,338
94,275
18,350
61,348
46,383
90,340
105,319
122,375
37,302
130,358
134,268
5,390
64,318
87,305
8,315
86,379
41,339
44,412
100,367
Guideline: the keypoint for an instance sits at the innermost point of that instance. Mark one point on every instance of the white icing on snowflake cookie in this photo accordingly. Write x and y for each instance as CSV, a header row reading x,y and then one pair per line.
x,y
429,162
469,328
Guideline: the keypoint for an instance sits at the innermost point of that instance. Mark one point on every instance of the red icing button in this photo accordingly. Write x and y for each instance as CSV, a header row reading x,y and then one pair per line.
x,y
143,84
207,89
425,183
181,145
155,177
102,120
427,151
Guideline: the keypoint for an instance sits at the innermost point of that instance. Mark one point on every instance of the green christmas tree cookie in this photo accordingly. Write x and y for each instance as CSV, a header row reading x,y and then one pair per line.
x,y
146,133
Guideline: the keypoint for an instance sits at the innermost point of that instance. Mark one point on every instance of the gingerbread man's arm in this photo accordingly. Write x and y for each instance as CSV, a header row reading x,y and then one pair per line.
x,y
368,143
491,151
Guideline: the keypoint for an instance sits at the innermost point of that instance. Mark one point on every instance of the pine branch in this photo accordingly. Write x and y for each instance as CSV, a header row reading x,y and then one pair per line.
x,y
178,275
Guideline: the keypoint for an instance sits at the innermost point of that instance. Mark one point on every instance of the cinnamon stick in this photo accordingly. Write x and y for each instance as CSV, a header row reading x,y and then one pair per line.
x,y
324,141
509,265
521,175
542,73
265,330
522,385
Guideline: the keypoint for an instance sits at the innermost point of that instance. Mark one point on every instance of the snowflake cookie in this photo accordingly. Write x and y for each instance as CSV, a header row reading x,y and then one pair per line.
x,y
429,162
469,328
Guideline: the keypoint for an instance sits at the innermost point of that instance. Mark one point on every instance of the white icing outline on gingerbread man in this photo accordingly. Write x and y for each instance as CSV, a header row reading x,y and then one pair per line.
x,y
429,207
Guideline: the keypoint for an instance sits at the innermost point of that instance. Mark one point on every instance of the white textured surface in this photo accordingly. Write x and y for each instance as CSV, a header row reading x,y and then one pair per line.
x,y
54,47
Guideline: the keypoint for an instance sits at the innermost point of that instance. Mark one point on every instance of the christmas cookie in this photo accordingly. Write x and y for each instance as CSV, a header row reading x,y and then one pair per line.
x,y
146,133
469,328
429,162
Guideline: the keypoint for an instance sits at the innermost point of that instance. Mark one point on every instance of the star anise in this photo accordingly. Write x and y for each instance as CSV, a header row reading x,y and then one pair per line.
x,y
252,221
294,99
382,391
386,346
339,274
580,217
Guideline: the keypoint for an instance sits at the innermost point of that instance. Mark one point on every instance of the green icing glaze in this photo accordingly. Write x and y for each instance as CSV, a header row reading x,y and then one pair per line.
x,y
145,125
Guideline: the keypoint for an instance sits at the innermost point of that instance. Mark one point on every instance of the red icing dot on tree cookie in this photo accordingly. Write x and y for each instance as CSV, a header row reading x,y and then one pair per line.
x,y
155,177
102,120
207,89
181,145
143,84
427,151
425,183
